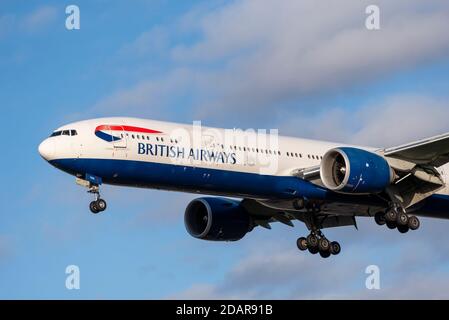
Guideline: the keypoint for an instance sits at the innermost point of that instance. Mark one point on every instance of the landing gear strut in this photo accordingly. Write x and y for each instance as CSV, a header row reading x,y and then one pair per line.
x,y
98,205
397,218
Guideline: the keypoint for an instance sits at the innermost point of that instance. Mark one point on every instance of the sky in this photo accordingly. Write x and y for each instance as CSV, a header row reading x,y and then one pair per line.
x,y
308,68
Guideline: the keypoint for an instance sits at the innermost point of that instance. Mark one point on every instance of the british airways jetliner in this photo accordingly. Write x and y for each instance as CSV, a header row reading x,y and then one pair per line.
x,y
277,179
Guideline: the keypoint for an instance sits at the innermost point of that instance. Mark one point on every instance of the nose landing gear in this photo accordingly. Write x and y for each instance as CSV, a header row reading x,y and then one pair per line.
x,y
98,205
92,183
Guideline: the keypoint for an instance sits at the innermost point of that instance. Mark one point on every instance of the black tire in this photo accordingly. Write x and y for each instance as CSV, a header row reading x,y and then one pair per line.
x,y
101,205
403,229
302,244
93,207
335,248
325,254
312,241
324,244
391,225
313,250
391,216
380,218
413,223
402,219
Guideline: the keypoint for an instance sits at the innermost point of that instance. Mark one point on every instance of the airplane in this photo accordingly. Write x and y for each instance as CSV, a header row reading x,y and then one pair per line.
x,y
253,180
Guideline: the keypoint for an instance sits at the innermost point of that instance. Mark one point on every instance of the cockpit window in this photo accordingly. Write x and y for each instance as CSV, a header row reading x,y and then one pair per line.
x,y
64,133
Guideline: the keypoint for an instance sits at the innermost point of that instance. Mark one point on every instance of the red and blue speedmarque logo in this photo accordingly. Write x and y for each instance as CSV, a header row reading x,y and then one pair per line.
x,y
109,132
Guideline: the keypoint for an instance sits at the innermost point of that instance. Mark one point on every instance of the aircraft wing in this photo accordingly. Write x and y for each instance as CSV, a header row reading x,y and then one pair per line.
x,y
414,163
331,217
432,151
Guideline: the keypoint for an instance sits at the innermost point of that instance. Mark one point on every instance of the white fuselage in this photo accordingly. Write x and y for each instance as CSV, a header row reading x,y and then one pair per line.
x,y
140,140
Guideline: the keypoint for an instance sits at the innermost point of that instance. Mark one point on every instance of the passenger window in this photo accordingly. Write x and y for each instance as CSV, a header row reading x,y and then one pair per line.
x,y
132,136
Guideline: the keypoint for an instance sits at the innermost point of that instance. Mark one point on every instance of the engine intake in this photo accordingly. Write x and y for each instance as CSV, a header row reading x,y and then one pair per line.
x,y
353,170
217,219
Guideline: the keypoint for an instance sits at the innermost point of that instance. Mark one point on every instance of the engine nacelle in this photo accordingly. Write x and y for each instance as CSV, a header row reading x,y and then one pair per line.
x,y
217,219
352,170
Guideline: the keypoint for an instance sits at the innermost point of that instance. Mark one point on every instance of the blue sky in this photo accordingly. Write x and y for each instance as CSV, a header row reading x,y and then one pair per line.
x,y
300,67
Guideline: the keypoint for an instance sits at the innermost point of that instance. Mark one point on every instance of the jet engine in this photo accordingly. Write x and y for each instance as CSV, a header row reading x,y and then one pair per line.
x,y
353,170
217,219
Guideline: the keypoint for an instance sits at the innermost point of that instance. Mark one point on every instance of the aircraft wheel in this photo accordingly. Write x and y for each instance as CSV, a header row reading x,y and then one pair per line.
x,y
325,254
313,250
323,245
413,223
403,229
380,218
101,205
93,207
391,216
312,241
335,248
391,225
302,244
402,219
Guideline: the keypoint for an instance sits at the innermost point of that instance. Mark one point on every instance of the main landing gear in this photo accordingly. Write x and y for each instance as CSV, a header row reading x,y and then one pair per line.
x,y
316,242
397,218
98,205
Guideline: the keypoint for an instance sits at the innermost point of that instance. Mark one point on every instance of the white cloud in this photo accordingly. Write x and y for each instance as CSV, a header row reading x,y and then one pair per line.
x,y
392,121
265,53
32,22
39,18
275,270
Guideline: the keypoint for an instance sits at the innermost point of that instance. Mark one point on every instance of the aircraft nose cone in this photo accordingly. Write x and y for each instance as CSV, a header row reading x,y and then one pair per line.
x,y
47,149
